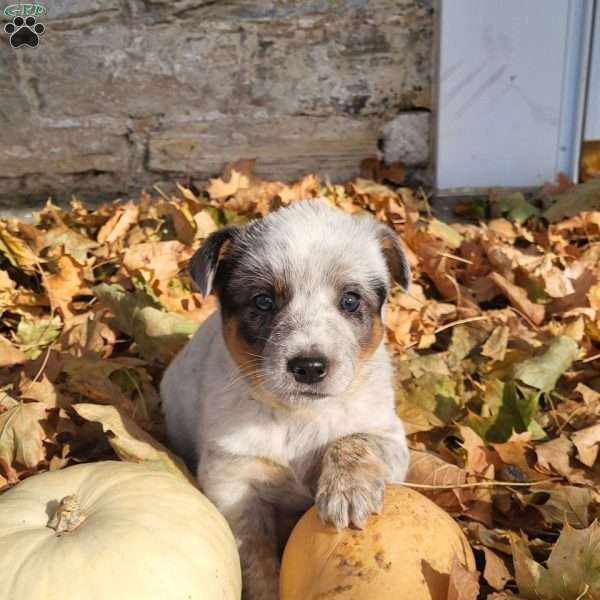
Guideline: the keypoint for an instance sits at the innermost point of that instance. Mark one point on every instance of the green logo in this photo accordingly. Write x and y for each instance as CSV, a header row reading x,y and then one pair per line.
x,y
25,10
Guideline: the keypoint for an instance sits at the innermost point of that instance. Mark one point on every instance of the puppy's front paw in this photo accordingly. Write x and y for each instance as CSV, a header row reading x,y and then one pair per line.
x,y
351,483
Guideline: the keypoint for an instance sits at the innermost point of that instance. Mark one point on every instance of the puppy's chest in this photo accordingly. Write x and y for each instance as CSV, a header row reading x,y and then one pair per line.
x,y
281,443
297,443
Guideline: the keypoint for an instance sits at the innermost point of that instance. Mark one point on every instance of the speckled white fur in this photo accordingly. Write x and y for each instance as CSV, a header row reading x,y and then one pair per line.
x,y
255,456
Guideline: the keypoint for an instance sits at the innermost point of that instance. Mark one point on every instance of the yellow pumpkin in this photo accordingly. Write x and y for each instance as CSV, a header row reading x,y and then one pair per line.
x,y
117,531
405,553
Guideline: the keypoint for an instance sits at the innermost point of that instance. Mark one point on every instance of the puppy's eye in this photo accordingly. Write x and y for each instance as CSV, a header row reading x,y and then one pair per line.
x,y
263,302
350,302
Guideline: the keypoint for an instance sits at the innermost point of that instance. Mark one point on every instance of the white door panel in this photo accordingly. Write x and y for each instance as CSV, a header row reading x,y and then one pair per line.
x,y
510,100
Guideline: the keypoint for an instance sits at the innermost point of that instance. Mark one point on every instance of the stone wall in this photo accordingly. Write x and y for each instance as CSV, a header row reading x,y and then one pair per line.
x,y
121,94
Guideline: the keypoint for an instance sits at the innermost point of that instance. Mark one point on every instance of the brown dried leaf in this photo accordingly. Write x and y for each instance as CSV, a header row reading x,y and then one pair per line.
x,y
66,283
43,391
518,458
183,221
495,571
205,225
518,298
429,469
463,583
21,435
10,355
496,344
16,251
161,259
118,225
588,395
553,456
219,189
586,441
561,503
131,442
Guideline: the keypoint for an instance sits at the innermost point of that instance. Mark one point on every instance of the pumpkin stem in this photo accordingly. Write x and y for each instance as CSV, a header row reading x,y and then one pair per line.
x,y
68,516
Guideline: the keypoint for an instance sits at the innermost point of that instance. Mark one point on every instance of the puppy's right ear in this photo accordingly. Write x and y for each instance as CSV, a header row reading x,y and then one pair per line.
x,y
203,265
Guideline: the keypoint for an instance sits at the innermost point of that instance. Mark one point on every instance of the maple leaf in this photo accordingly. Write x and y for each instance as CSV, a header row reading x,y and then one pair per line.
x,y
21,435
572,571
561,503
66,283
514,411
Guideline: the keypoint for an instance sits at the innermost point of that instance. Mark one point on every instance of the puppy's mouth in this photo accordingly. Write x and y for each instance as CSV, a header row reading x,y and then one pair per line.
x,y
312,394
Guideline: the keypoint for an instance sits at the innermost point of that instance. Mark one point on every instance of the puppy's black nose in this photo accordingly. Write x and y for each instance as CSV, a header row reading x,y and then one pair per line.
x,y
308,369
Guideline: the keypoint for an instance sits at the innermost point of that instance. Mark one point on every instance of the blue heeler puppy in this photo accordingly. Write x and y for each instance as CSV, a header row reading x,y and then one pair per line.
x,y
284,396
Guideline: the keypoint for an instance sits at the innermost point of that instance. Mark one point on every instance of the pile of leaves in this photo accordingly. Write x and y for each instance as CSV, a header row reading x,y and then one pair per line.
x,y
496,348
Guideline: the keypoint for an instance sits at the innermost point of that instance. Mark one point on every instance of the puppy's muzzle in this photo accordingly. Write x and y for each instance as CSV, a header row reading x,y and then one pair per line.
x,y
308,369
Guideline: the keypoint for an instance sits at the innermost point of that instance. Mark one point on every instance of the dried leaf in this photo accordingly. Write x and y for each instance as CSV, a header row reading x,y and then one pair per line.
x,y
542,372
553,456
518,297
43,391
446,233
21,435
578,198
496,344
157,333
527,571
495,571
513,205
66,283
586,441
16,251
429,469
118,225
32,336
562,504
205,225
218,189
9,354
463,584
131,442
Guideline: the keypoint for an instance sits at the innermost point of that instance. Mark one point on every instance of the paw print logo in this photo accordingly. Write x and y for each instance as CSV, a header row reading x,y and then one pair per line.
x,y
24,32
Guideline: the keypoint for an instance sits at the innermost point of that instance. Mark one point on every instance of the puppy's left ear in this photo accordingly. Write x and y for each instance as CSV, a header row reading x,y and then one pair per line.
x,y
205,262
394,255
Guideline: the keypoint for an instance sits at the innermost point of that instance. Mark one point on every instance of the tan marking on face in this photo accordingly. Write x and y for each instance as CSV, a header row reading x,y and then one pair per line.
x,y
247,358
244,354
368,347
279,287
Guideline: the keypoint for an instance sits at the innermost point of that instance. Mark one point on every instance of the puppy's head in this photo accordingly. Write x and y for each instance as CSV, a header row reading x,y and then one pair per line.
x,y
301,294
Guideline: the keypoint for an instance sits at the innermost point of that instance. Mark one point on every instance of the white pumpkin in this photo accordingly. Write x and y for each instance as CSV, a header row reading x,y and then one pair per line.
x,y
114,531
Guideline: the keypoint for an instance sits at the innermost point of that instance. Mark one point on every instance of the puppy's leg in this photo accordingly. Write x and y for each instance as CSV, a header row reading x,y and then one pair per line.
x,y
354,470
237,486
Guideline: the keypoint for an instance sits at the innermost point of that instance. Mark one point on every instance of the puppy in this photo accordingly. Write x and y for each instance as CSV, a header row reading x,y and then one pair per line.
x,y
284,396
